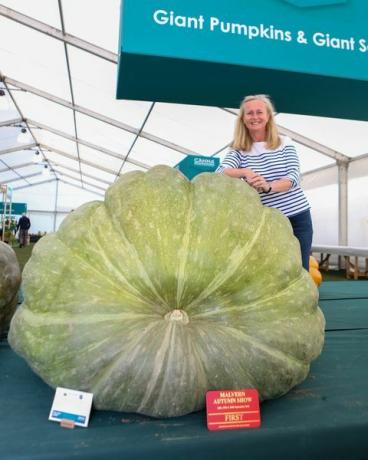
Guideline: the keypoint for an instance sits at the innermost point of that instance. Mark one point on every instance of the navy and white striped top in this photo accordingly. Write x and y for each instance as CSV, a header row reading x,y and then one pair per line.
x,y
282,163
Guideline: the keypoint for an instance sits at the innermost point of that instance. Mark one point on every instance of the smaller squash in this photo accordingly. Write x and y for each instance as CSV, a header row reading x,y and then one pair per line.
x,y
313,262
10,278
316,275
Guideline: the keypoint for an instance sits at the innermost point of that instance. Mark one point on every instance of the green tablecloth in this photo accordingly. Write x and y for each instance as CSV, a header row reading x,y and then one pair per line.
x,y
326,416
345,314
345,304
344,290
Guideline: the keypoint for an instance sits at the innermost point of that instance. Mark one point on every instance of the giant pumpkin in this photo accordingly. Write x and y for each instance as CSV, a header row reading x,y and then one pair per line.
x,y
165,290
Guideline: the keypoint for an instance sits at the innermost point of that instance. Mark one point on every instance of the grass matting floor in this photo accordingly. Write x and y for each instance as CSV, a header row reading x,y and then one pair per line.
x,y
23,254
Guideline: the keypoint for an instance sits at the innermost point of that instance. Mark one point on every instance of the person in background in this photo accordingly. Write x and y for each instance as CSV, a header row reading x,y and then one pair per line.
x,y
269,163
23,226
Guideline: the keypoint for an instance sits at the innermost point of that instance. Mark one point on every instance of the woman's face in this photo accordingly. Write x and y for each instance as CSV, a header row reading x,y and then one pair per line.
x,y
256,117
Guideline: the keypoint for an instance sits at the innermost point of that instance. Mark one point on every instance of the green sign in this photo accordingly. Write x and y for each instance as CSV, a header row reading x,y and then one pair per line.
x,y
192,165
16,208
307,54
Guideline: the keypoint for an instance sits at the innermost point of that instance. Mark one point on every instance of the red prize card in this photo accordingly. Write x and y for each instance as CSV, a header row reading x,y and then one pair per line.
x,y
232,409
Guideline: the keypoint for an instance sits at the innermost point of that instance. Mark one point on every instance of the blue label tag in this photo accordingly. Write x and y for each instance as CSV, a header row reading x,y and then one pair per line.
x,y
66,415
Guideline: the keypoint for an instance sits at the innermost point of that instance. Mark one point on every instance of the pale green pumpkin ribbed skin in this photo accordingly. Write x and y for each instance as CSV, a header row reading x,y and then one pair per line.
x,y
100,291
9,284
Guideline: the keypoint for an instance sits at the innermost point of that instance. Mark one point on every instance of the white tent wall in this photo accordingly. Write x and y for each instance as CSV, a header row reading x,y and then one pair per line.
x,y
41,222
70,197
322,191
65,95
358,203
40,201
324,209
358,212
38,197
324,202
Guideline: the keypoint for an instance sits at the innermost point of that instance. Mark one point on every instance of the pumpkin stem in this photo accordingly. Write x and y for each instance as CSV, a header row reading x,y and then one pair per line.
x,y
177,315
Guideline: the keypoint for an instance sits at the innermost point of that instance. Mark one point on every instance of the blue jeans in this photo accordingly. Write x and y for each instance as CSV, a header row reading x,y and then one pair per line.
x,y
303,230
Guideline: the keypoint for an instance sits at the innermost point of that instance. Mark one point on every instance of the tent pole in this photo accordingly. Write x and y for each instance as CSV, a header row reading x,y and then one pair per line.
x,y
343,204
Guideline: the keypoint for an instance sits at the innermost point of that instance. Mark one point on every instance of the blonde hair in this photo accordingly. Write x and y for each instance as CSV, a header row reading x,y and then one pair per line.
x,y
242,138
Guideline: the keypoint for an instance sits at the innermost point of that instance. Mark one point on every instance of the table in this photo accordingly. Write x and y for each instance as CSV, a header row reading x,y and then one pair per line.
x,y
324,417
351,256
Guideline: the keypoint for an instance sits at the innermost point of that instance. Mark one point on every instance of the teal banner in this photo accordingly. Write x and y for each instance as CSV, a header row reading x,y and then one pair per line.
x,y
16,208
214,52
192,165
329,38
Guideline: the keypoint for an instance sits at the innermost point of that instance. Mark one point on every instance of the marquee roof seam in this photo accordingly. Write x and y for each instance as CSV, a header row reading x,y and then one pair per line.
x,y
58,165
98,116
327,151
16,179
84,162
135,140
11,122
24,120
23,165
86,143
18,148
334,165
35,184
58,34
70,86
84,182
82,188
56,180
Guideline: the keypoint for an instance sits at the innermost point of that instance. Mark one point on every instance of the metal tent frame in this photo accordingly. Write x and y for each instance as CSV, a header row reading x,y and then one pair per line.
x,y
65,173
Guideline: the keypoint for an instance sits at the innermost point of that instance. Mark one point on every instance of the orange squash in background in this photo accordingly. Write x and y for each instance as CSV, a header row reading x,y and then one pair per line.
x,y
313,270
313,262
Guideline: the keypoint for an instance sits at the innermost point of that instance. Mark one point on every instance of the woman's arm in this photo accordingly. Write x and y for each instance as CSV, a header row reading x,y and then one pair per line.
x,y
240,173
261,185
288,182
231,167
280,185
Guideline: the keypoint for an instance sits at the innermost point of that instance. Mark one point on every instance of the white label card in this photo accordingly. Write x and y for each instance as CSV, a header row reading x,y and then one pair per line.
x,y
71,405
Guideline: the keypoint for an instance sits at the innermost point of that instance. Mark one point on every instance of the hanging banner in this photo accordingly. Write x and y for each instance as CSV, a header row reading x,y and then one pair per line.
x,y
213,53
16,208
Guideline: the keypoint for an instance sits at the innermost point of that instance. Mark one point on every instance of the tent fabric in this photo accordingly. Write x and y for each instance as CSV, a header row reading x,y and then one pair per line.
x,y
59,72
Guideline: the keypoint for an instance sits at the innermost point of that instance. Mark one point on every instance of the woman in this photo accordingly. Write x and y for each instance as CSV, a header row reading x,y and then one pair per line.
x,y
269,163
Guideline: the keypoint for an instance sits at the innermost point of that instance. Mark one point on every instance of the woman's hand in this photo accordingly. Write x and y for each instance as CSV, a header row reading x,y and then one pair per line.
x,y
249,174
259,183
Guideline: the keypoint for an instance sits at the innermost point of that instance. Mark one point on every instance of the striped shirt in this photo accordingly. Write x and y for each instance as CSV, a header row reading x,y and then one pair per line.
x,y
282,163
